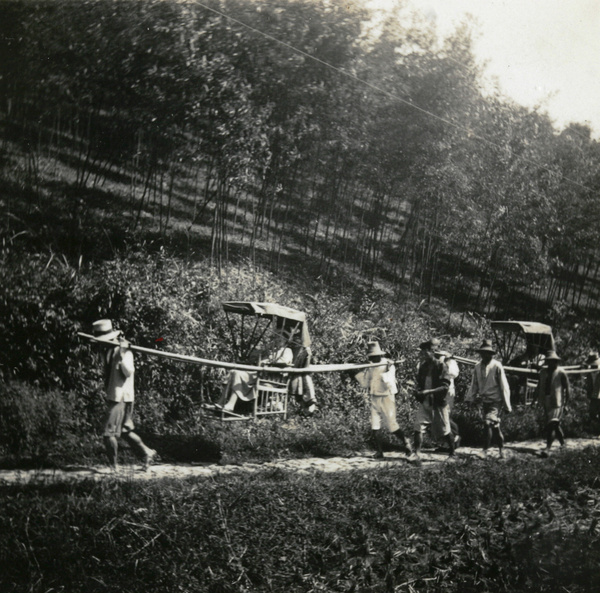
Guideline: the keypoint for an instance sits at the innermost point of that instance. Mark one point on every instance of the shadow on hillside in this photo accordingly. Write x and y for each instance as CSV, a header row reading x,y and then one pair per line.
x,y
98,222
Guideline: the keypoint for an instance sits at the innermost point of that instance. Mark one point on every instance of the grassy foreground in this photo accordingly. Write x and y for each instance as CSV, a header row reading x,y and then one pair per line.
x,y
525,525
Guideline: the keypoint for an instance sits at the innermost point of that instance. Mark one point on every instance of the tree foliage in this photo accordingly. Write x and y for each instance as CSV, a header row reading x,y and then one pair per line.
x,y
295,125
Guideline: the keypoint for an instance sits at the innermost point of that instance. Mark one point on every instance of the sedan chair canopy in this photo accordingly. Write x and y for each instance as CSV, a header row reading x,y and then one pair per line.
x,y
253,324
515,337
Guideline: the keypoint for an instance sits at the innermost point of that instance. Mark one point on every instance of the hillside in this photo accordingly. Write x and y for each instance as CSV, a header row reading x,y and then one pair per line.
x,y
161,157
287,134
194,159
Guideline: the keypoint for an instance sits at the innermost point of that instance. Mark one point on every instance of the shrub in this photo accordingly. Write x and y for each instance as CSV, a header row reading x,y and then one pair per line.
x,y
328,434
38,424
39,304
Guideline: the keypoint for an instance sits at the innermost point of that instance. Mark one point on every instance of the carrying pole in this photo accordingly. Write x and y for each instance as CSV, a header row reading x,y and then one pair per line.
x,y
322,368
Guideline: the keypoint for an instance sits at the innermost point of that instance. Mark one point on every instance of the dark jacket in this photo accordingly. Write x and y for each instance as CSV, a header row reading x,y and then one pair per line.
x,y
438,379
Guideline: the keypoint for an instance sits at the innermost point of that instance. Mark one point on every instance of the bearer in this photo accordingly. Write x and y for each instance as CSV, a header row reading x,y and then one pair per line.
x,y
490,386
380,381
119,373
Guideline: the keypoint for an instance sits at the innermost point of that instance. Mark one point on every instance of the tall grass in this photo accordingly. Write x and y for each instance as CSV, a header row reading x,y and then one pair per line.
x,y
526,525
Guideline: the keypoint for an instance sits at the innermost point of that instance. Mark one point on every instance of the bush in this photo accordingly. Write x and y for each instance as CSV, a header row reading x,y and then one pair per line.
x,y
37,424
39,311
328,434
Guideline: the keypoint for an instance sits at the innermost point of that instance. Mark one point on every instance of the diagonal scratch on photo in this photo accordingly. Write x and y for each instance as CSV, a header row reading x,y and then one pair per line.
x,y
299,296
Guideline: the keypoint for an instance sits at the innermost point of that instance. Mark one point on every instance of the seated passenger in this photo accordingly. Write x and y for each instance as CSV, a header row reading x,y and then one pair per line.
x,y
302,386
240,384
532,358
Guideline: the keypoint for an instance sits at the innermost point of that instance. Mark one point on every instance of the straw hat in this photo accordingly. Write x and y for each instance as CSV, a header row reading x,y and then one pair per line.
x,y
486,346
430,344
552,356
374,349
593,358
104,329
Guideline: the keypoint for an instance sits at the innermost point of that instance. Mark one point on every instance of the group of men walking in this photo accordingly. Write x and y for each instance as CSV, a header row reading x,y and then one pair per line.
x,y
434,392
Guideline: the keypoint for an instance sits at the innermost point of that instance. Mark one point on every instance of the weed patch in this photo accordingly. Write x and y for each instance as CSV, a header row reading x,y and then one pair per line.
x,y
521,526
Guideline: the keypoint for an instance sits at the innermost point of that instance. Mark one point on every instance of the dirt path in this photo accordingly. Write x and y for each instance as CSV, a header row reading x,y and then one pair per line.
x,y
301,466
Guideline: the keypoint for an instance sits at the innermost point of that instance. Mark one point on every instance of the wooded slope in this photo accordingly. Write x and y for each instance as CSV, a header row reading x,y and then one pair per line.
x,y
290,128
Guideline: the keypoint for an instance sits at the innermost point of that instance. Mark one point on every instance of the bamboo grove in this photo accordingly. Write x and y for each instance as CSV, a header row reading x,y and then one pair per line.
x,y
270,128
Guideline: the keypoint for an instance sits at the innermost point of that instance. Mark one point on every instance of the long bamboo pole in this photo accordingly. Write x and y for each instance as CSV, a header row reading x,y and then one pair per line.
x,y
311,369
569,370
321,368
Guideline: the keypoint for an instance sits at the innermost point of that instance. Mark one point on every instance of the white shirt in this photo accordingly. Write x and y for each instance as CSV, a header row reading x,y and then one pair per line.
x,y
451,371
379,380
121,371
283,356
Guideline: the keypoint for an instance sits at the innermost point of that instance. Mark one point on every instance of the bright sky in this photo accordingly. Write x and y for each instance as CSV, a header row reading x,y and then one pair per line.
x,y
541,51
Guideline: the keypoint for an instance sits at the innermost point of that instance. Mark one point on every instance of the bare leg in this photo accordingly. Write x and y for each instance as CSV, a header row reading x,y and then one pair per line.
x,y
399,434
455,433
450,440
488,437
145,453
111,446
418,439
310,401
500,439
137,443
454,427
549,435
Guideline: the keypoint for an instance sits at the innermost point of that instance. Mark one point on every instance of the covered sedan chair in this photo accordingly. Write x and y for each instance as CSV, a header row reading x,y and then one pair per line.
x,y
522,346
263,334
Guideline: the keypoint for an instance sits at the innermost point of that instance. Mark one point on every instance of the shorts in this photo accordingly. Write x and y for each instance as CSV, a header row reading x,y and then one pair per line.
x,y
119,419
437,417
553,414
490,414
383,407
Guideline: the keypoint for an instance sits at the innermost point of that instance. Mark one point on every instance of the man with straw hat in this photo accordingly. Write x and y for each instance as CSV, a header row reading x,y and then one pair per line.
x,y
490,386
432,393
592,385
119,371
380,381
553,394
